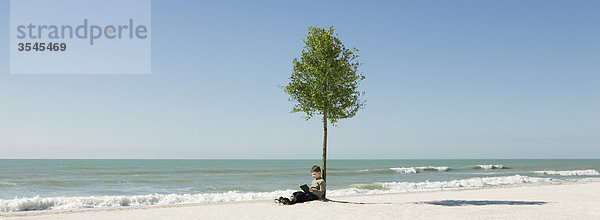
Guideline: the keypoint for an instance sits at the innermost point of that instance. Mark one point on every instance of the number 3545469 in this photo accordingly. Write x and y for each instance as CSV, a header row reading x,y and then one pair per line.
x,y
42,46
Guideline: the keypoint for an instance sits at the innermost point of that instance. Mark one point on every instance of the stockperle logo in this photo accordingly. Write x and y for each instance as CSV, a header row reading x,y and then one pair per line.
x,y
80,37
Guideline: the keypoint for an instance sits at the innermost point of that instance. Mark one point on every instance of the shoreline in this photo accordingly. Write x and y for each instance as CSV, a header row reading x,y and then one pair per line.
x,y
335,199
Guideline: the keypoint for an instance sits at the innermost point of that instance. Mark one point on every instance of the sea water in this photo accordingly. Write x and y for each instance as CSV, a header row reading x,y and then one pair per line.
x,y
28,185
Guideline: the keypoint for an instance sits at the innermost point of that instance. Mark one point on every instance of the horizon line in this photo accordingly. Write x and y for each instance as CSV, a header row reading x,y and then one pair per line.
x,y
299,159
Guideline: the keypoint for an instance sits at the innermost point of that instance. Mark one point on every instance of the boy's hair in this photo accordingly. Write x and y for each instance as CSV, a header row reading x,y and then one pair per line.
x,y
315,168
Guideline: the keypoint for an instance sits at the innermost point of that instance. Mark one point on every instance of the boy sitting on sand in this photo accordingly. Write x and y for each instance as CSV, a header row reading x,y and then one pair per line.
x,y
317,189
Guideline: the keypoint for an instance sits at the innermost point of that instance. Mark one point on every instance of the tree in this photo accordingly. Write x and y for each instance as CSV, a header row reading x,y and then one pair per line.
x,y
325,81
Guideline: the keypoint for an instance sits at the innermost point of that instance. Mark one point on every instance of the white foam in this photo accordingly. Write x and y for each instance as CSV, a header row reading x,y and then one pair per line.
x,y
590,172
72,203
471,183
418,169
81,202
7,183
404,169
491,166
433,168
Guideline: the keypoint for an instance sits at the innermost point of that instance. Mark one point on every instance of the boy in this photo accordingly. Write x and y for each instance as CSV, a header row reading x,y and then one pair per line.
x,y
317,189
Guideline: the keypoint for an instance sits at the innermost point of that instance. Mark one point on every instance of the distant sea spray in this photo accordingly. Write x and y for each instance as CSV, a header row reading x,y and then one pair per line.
x,y
589,172
489,166
391,170
418,169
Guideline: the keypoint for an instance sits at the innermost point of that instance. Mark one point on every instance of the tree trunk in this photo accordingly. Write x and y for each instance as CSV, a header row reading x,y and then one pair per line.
x,y
324,151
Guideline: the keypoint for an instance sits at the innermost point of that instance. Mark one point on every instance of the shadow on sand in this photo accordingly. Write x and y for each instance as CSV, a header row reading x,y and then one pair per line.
x,y
360,203
481,202
449,202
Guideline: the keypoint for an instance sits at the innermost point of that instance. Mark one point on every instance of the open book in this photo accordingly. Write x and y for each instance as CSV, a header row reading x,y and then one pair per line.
x,y
305,189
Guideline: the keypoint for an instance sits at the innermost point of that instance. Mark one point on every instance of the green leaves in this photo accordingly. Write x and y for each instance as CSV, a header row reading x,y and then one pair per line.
x,y
325,78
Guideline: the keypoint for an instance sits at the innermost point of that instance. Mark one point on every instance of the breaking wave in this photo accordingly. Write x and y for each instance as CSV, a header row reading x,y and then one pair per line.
x,y
470,183
83,202
489,166
418,169
590,172
5,183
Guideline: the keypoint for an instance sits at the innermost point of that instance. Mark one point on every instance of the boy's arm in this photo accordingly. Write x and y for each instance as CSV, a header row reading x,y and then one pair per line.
x,y
320,189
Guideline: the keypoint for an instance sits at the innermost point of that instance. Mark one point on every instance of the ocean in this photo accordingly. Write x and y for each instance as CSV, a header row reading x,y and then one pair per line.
x,y
72,184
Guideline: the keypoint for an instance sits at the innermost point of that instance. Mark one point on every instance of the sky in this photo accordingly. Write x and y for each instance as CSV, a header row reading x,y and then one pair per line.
x,y
444,80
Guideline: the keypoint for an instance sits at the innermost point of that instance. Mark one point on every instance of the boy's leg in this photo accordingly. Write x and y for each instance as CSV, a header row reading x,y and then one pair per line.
x,y
299,197
312,197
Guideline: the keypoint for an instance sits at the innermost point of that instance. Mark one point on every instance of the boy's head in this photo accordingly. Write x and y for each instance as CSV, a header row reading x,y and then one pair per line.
x,y
316,172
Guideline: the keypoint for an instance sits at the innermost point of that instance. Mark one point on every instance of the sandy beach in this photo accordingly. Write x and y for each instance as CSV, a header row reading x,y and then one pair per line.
x,y
565,201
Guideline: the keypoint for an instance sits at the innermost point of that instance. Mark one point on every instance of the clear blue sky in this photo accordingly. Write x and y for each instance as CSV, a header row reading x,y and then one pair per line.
x,y
445,79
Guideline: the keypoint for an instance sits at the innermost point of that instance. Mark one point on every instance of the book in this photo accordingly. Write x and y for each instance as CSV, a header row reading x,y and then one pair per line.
x,y
305,189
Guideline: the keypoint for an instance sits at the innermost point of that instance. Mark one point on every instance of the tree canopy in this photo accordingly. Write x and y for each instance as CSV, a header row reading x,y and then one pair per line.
x,y
325,78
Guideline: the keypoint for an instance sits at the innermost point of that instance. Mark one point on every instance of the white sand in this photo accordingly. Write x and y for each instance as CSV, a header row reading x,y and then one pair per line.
x,y
568,201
